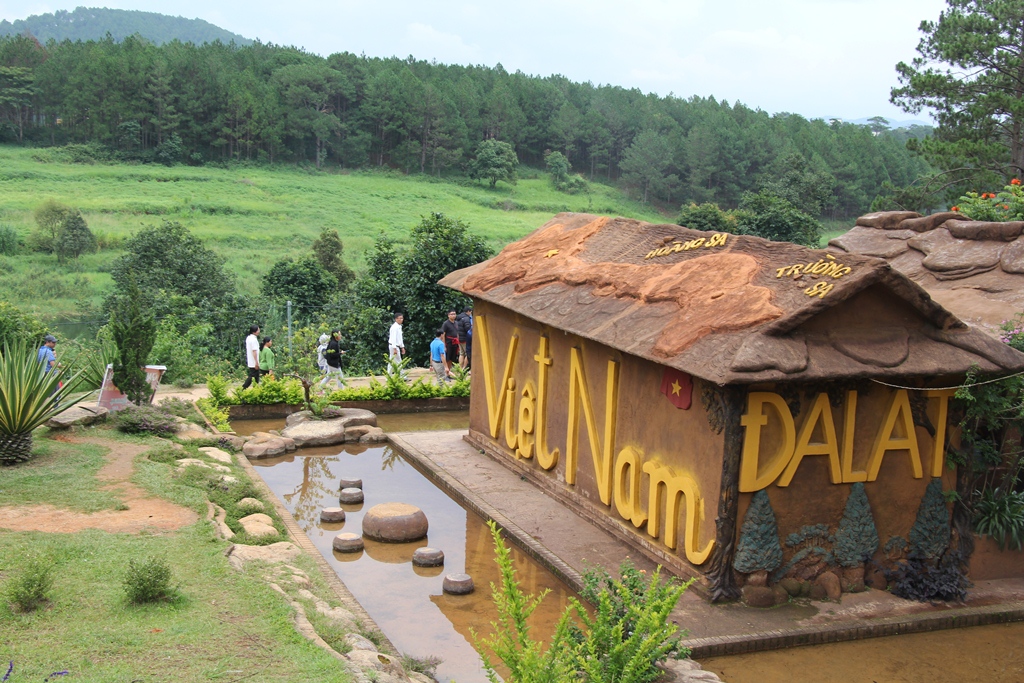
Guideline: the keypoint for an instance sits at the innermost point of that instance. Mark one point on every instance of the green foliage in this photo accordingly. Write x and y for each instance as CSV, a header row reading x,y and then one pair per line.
x,y
1001,515
775,218
646,164
267,392
929,537
526,660
558,167
856,540
185,350
74,237
93,363
145,420
179,407
148,580
217,416
707,217
49,218
495,160
329,251
1006,205
967,69
9,241
134,332
758,547
217,385
16,325
27,589
306,283
792,177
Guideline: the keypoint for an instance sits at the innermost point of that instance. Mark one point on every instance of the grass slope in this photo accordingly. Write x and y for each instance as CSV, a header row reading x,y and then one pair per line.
x,y
253,216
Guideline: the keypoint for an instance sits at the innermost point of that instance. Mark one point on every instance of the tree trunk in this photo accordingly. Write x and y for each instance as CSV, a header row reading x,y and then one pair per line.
x,y
15,448
720,575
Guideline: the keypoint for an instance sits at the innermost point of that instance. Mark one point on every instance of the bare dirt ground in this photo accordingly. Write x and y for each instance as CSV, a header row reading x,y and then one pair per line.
x,y
144,512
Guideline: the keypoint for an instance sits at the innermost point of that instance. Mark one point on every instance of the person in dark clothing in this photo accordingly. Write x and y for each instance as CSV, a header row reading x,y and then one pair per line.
x,y
451,339
332,354
464,323
252,356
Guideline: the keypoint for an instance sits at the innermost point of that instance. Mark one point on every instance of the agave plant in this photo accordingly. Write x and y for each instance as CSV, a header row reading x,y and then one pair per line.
x,y
29,396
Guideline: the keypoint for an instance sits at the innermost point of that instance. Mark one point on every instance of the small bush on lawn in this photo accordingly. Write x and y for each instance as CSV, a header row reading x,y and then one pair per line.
x,y
180,408
28,589
148,581
145,420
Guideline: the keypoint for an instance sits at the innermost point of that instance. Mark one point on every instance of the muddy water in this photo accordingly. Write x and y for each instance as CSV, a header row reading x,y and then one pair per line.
x,y
982,653
406,602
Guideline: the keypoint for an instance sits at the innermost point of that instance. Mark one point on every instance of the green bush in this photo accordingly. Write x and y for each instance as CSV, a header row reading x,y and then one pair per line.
x,y
8,240
1001,516
148,581
216,415
218,387
28,588
270,391
145,420
180,407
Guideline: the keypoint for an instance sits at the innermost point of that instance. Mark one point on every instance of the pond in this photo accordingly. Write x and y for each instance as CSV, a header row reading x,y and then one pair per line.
x,y
405,601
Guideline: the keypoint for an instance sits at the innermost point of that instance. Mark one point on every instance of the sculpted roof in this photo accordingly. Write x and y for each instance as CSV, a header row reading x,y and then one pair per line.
x,y
728,308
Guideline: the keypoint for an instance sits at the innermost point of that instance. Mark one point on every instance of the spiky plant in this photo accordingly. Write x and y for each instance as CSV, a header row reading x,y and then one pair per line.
x,y
29,396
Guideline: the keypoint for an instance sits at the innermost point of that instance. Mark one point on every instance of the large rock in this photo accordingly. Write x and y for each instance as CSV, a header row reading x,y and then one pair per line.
x,y
77,415
886,220
931,241
216,454
873,242
758,596
830,582
282,551
1012,260
309,432
926,223
965,255
1000,231
258,524
266,445
374,435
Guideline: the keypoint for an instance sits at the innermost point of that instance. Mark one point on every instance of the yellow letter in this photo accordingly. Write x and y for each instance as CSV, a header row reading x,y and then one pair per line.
x,y
495,393
627,494
675,487
849,430
898,415
545,458
600,452
510,412
752,423
526,419
820,411
939,447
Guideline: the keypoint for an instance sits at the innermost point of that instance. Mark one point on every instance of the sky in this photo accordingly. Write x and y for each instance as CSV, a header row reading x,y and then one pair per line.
x,y
817,58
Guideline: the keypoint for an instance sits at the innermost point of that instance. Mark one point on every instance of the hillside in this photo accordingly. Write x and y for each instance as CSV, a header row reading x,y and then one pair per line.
x,y
251,216
94,23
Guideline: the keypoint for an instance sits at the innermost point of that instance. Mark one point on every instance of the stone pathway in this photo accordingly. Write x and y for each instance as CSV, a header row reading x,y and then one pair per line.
x,y
144,513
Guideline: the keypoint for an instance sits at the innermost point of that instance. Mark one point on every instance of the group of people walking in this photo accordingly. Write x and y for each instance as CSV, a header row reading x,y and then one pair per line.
x,y
453,343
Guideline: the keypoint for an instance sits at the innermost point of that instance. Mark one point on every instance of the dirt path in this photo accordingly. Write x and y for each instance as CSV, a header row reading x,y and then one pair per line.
x,y
144,512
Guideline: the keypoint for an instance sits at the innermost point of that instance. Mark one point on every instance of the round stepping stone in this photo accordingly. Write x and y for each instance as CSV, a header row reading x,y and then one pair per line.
x,y
350,484
395,523
428,557
392,553
351,495
332,515
458,584
348,543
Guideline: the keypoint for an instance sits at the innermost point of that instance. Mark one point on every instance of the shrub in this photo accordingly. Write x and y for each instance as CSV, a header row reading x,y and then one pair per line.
x,y
145,420
148,581
179,407
28,588
8,240
1001,516
216,415
218,387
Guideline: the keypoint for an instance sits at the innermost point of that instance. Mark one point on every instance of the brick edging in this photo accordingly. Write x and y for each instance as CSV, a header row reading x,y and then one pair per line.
x,y
298,536
717,646
464,496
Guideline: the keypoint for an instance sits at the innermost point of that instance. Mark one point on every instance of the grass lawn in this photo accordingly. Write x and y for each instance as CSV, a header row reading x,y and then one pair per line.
x,y
225,626
254,216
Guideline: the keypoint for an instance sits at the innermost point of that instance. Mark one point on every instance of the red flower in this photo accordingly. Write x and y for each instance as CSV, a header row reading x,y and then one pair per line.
x,y
1005,206
1015,181
955,208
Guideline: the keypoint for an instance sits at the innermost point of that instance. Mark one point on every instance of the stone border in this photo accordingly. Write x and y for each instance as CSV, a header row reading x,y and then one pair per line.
x,y
464,496
298,536
269,411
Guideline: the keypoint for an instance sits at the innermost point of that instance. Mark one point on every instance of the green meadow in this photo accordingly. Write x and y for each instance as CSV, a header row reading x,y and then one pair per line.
x,y
252,215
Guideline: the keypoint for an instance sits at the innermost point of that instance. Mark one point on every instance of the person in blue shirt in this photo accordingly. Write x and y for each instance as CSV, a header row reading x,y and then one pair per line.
x,y
437,357
46,354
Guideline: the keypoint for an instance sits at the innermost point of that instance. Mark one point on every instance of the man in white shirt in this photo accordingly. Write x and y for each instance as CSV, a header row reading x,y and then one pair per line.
x,y
396,346
252,356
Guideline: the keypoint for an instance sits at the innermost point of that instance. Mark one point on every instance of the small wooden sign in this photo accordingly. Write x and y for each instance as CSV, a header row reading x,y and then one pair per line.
x,y
111,397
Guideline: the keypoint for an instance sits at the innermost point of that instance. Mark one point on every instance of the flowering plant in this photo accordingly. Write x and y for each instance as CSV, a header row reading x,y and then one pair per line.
x,y
1007,205
1012,332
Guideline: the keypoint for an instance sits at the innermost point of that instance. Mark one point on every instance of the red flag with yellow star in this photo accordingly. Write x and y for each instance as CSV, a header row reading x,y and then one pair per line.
x,y
677,387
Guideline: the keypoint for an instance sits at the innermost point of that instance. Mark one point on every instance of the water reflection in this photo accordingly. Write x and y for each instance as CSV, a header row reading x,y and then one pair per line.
x,y
406,601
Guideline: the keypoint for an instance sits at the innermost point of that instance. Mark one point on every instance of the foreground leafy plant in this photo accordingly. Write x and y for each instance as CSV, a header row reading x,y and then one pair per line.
x,y
29,396
148,581
1001,516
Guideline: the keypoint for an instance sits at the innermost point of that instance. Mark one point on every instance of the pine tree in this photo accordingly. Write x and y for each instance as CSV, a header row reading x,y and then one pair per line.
x,y
759,547
134,332
857,537
929,536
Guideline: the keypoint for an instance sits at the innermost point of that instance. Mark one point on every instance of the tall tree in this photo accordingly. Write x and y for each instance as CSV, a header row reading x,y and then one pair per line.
x,y
134,330
970,72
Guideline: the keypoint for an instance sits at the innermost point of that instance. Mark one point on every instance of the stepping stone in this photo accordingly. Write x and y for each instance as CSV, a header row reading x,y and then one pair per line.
x,y
350,484
77,415
428,557
347,543
350,496
332,515
217,454
251,504
395,523
258,524
458,584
